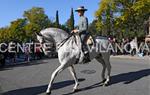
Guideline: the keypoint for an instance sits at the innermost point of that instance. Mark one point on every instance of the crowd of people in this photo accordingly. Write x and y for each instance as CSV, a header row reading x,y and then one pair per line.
x,y
7,58
130,47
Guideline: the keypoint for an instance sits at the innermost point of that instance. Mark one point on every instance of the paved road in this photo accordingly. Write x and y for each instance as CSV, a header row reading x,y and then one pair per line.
x,y
129,77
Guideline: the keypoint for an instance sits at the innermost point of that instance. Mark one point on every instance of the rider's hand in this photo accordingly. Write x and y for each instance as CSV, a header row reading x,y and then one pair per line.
x,y
74,31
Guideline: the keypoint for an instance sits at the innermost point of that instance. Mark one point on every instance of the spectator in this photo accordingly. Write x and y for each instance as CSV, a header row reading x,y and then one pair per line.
x,y
134,47
27,53
114,42
12,52
38,53
2,59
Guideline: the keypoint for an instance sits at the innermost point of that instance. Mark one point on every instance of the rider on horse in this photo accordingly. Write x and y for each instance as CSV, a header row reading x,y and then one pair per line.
x,y
82,30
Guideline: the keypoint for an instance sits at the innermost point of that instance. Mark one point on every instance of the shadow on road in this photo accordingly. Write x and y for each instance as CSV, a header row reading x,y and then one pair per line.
x,y
35,62
86,88
4,69
40,89
124,77
129,77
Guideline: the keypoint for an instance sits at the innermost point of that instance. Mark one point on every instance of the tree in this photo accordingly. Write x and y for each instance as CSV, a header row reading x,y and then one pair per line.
x,y
70,21
17,30
4,37
63,27
30,29
37,21
57,20
92,28
23,29
105,17
126,17
36,15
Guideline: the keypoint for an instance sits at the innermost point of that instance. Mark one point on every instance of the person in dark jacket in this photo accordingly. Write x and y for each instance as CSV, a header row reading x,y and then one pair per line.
x,y
82,30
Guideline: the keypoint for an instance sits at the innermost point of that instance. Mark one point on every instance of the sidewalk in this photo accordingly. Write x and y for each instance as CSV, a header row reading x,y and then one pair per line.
x,y
130,57
21,62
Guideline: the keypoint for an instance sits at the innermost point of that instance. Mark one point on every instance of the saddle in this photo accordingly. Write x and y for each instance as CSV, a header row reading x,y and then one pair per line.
x,y
89,40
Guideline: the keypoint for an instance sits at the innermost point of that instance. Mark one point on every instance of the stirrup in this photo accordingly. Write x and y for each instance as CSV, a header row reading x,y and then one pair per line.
x,y
86,58
86,52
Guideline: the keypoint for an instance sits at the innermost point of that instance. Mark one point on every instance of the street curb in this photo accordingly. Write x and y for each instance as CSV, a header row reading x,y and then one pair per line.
x,y
25,63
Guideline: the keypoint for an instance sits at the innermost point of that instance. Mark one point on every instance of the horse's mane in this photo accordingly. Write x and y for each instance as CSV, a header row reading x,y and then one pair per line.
x,y
57,34
54,32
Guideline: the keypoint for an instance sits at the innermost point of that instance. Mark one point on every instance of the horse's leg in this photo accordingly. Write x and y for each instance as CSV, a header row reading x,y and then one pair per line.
x,y
100,60
108,67
73,73
54,74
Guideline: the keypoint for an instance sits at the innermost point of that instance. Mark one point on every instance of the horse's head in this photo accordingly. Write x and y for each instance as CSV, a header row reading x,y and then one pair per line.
x,y
52,35
47,44
40,37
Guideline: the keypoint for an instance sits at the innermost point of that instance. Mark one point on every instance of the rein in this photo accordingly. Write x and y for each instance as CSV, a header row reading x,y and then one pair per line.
x,y
63,41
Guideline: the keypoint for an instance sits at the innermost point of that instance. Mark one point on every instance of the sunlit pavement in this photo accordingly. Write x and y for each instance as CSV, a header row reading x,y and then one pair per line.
x,y
131,57
129,77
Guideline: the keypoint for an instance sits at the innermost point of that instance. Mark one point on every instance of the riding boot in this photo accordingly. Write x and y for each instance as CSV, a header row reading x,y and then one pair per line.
x,y
86,58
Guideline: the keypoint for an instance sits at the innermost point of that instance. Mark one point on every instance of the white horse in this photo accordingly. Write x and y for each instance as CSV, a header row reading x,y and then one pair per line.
x,y
70,53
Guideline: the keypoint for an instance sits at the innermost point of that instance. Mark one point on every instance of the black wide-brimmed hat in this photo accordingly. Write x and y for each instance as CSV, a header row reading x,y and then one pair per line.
x,y
81,8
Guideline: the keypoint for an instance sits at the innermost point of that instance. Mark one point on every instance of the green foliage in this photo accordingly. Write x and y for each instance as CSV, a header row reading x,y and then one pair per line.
x,y
4,34
119,18
92,28
122,17
105,17
56,24
23,29
37,16
37,21
31,28
17,30
63,27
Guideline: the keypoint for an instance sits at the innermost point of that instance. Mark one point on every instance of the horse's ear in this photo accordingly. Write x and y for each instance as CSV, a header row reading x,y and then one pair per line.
x,y
37,33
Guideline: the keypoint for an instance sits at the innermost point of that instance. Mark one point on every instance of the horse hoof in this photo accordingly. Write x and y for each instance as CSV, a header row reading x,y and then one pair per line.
x,y
105,84
48,93
75,90
103,81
